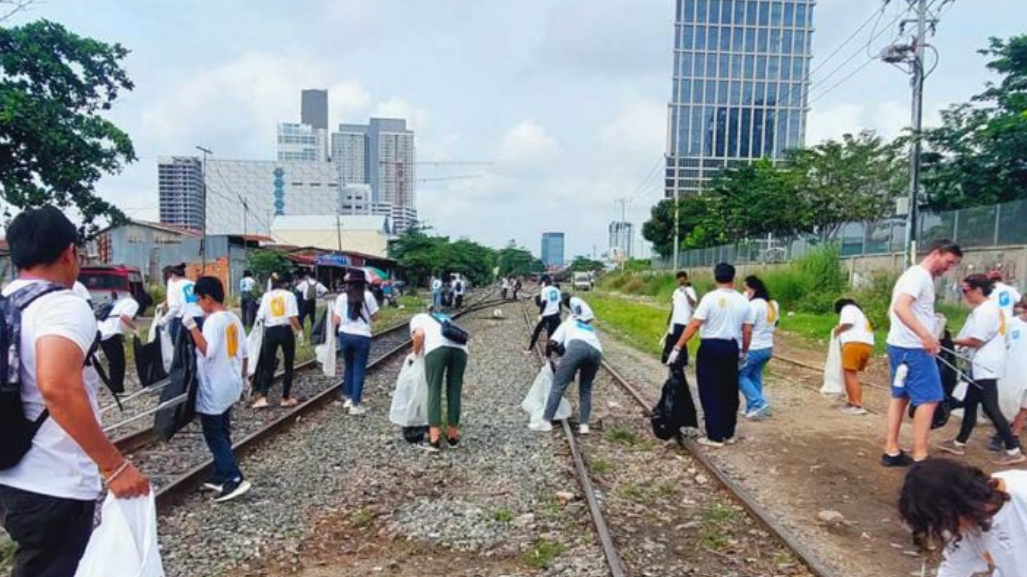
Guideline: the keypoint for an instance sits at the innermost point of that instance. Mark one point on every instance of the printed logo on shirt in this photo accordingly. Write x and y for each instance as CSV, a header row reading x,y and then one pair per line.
x,y
552,297
189,294
1001,324
586,327
771,314
1015,336
232,339
1004,299
721,302
278,306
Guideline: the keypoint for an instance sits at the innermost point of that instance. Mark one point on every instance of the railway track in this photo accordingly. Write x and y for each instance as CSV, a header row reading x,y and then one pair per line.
x,y
178,467
734,490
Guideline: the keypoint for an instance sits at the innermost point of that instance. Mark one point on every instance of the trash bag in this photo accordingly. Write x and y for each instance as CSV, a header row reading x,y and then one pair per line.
x,y
161,334
414,434
410,399
125,543
149,362
317,334
254,344
534,402
326,352
1013,385
182,381
834,377
674,410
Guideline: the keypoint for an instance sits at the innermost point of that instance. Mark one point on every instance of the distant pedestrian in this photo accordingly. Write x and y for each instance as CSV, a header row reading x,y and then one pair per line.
x,y
912,346
444,364
856,337
683,303
983,338
310,290
436,292
724,321
112,329
221,367
354,312
765,315
979,522
247,298
576,341
1003,295
54,451
517,285
278,311
549,303
459,289
504,287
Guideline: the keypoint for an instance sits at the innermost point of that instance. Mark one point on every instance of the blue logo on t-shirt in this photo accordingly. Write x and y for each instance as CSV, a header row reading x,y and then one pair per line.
x,y
1015,336
553,296
1004,299
187,292
586,327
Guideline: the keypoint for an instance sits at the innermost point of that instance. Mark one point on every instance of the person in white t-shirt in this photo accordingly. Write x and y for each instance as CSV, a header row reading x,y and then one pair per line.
x,y
436,292
279,313
354,313
979,522
912,346
856,336
221,367
112,340
48,492
247,300
444,364
683,303
1016,344
724,321
310,290
179,299
549,303
765,314
576,341
1003,295
983,337
504,287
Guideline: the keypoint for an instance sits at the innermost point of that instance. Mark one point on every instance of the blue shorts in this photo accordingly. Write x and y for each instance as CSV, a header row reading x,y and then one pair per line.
x,y
923,382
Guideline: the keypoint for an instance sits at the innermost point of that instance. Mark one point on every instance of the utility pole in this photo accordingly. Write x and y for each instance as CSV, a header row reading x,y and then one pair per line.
x,y
338,231
677,226
203,241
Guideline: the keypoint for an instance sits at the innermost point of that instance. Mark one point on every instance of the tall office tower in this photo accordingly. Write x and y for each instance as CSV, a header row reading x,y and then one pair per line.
x,y
621,238
180,185
314,108
349,152
301,143
552,249
740,86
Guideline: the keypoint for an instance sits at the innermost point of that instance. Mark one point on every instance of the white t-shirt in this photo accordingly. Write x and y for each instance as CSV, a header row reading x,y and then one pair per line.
x,y
723,313
432,328
580,309
550,297
987,324
918,283
181,298
764,322
55,465
247,284
459,287
574,330
1005,297
504,284
220,370
125,306
277,307
362,325
319,289
1005,543
681,307
861,331
436,284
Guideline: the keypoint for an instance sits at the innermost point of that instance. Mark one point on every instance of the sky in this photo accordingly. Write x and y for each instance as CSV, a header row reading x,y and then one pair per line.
x,y
566,98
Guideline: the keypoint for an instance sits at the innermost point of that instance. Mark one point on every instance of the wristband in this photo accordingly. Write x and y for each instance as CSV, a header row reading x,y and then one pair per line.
x,y
121,469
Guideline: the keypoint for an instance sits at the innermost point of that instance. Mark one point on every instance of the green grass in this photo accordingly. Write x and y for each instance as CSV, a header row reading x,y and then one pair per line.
x,y
600,467
640,324
716,525
503,515
627,438
542,554
7,548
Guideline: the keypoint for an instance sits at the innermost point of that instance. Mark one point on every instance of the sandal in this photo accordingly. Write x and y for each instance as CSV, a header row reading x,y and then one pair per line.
x,y
261,403
286,403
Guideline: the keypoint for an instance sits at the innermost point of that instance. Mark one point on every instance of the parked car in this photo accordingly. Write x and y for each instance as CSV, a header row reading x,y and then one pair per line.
x,y
582,281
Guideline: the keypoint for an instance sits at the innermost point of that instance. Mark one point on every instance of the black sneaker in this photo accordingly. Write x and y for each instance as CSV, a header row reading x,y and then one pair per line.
x,y
996,445
453,441
900,460
431,447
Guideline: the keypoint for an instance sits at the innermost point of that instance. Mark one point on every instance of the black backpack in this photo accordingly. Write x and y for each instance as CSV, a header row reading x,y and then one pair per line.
x,y
16,431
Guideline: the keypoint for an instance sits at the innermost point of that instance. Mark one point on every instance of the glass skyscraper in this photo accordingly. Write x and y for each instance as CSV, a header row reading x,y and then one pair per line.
x,y
740,87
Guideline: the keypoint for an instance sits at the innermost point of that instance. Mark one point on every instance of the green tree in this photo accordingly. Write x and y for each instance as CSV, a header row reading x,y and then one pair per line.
x,y
585,264
513,260
54,142
979,153
699,224
264,262
421,255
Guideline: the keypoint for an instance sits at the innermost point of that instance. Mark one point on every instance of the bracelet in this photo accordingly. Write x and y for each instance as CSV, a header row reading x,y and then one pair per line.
x,y
121,469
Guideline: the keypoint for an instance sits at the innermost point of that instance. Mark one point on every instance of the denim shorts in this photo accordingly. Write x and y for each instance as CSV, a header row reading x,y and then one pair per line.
x,y
923,381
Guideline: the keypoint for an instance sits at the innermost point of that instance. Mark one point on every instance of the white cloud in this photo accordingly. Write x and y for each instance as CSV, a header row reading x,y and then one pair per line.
x,y
527,148
396,107
833,121
641,128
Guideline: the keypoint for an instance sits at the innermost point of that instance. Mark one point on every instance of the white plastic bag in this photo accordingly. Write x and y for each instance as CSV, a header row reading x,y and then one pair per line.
x,y
125,543
325,352
410,399
534,402
1012,386
158,316
834,376
254,342
159,331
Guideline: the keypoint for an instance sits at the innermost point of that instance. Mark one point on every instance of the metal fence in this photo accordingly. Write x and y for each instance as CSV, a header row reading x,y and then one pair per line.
x,y
983,226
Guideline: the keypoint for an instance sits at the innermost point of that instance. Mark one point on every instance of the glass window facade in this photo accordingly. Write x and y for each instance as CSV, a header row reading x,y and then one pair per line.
x,y
740,85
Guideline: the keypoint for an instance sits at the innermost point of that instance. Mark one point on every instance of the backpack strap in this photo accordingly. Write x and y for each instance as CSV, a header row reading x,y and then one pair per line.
x,y
20,300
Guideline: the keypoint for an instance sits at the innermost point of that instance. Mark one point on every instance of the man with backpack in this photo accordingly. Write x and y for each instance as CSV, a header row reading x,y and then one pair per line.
x,y
53,451
458,291
309,290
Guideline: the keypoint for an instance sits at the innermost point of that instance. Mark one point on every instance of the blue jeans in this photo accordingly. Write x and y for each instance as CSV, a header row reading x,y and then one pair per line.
x,y
355,350
436,299
217,431
750,379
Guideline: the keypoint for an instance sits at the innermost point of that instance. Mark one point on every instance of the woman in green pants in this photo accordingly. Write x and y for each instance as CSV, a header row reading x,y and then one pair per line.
x,y
444,362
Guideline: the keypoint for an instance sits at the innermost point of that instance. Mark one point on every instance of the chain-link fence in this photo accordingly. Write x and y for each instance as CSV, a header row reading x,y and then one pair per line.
x,y
982,226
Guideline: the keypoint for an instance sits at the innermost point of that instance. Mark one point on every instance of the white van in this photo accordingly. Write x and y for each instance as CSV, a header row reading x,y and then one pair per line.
x,y
582,281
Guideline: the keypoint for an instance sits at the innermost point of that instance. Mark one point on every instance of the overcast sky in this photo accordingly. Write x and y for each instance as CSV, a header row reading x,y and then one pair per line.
x,y
567,98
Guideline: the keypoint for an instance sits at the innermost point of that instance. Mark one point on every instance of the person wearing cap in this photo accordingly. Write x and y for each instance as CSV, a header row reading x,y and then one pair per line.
x,y
354,313
582,355
1003,295
549,304
278,311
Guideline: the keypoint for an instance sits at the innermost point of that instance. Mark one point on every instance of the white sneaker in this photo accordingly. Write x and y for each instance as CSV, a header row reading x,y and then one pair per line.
x,y
583,429
690,432
213,487
234,491
707,442
541,426
853,410
347,403
357,410
731,441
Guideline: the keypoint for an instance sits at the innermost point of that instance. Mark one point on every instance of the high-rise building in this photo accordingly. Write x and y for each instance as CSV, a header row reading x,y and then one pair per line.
x,y
180,185
621,239
740,85
314,108
552,249
349,152
302,143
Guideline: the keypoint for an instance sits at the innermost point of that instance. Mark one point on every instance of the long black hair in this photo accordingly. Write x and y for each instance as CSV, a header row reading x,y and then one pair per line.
x,y
939,494
356,284
759,288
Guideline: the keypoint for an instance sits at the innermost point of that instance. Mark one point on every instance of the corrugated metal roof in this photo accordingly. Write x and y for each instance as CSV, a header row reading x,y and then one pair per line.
x,y
330,222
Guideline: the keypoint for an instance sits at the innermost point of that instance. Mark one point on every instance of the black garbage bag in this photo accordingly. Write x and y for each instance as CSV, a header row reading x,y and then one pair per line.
x,y
414,434
317,334
149,362
183,380
674,410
